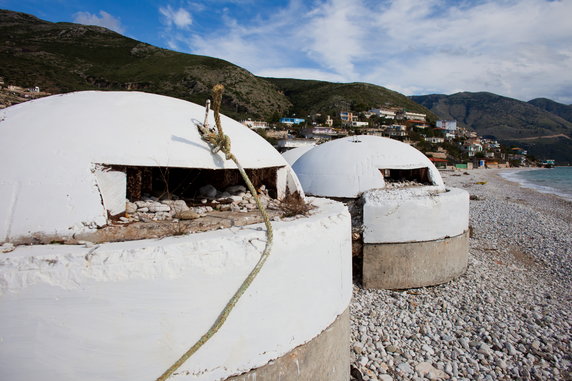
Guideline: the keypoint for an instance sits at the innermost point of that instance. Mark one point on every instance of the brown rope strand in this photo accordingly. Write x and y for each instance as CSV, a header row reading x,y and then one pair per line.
x,y
221,142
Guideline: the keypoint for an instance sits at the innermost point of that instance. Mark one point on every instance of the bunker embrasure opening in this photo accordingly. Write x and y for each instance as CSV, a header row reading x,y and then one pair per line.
x,y
189,183
415,175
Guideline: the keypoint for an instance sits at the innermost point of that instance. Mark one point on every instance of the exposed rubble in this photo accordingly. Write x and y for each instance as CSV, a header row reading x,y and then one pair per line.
x,y
234,198
213,209
403,184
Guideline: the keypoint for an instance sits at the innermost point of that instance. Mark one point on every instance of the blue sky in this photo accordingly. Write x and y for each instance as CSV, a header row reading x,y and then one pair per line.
x,y
517,48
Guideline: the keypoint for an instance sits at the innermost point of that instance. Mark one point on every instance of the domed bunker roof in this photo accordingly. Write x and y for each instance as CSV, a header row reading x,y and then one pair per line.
x,y
295,153
348,166
57,154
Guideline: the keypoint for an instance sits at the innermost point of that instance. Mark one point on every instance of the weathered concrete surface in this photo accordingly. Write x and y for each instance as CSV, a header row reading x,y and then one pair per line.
x,y
414,214
324,358
414,264
127,310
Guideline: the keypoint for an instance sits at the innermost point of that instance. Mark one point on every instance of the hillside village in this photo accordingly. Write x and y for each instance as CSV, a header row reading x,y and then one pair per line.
x,y
445,143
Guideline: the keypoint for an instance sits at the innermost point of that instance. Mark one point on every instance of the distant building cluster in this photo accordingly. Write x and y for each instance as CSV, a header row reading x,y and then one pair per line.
x,y
463,147
12,94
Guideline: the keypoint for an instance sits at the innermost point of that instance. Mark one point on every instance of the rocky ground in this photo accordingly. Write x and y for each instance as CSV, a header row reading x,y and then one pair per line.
x,y
507,318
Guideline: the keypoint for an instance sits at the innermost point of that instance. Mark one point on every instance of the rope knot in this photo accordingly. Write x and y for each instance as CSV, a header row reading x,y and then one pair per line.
x,y
216,139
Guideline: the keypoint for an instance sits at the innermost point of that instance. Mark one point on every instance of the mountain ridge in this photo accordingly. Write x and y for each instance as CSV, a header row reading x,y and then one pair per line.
x,y
63,57
511,121
560,109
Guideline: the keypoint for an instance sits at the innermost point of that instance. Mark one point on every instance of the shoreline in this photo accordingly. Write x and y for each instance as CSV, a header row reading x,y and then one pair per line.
x,y
508,317
547,202
524,183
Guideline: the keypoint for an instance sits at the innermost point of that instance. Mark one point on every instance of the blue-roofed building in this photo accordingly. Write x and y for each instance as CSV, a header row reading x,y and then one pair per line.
x,y
292,120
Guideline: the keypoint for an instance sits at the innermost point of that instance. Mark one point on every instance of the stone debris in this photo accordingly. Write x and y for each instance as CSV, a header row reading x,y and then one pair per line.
x,y
429,371
507,318
7,247
187,215
234,198
208,191
402,184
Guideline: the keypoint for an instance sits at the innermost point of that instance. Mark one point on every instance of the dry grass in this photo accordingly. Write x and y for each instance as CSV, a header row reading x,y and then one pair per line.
x,y
294,205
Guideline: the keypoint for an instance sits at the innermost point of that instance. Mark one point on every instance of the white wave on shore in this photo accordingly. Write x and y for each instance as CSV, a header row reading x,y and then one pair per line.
x,y
516,176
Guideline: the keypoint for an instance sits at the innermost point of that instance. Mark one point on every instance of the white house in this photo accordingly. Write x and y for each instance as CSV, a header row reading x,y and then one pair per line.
x,y
472,149
295,143
414,116
449,125
384,113
435,139
255,124
356,123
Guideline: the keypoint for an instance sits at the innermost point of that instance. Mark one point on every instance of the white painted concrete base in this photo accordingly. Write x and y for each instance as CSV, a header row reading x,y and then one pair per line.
x,y
414,237
128,310
414,214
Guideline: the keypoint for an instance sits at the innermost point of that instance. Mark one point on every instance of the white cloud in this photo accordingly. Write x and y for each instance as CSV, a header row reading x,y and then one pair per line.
x,y
335,35
104,19
253,44
179,18
517,48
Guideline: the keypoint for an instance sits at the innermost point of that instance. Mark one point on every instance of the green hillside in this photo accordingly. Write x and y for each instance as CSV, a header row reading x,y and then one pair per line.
x,y
309,96
63,57
562,110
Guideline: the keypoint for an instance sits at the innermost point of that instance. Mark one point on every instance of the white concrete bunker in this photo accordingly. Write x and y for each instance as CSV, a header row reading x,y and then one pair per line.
x,y
88,148
413,229
128,310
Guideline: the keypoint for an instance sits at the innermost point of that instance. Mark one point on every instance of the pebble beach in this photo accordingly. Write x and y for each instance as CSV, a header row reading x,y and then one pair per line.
x,y
507,318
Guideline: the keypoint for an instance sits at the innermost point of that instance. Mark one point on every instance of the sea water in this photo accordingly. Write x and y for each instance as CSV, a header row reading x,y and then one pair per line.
x,y
556,180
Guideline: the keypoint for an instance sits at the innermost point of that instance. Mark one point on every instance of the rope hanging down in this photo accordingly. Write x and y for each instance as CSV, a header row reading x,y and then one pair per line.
x,y
218,141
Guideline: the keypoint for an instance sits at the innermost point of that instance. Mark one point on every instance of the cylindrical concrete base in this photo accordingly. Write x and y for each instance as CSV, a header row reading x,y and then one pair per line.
x,y
324,358
128,310
414,264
